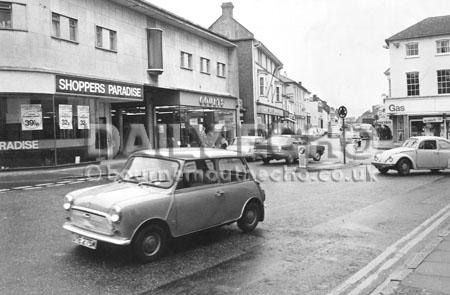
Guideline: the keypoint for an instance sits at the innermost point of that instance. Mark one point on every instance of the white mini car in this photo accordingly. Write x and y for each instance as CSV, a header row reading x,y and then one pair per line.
x,y
421,152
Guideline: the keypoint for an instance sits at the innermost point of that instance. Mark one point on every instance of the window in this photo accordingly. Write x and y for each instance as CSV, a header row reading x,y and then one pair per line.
x,y
155,52
443,79
444,145
442,46
186,60
412,82
105,38
56,27
204,65
412,49
64,27
220,69
277,93
198,173
5,15
262,86
428,145
232,169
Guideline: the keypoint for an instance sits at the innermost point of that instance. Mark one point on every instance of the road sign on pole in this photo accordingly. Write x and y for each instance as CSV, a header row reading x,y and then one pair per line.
x,y
342,112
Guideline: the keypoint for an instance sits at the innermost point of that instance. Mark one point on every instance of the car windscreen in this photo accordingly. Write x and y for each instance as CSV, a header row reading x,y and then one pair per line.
x,y
411,143
280,140
243,141
150,171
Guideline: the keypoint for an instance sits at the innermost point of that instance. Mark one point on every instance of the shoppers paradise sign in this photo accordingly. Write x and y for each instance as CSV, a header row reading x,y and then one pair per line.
x,y
76,85
19,145
31,117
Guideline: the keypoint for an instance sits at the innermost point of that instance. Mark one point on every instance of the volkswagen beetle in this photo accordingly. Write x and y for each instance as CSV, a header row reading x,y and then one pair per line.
x,y
162,194
421,152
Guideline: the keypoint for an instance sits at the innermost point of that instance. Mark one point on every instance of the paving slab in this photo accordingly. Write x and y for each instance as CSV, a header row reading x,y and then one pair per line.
x,y
427,283
439,256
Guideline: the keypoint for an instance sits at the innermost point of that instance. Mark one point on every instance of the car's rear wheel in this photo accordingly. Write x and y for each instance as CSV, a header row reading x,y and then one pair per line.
x,y
317,157
403,166
150,243
266,160
250,217
435,170
383,170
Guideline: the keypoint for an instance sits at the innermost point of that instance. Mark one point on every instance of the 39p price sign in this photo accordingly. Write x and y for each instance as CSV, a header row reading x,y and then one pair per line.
x,y
65,116
31,117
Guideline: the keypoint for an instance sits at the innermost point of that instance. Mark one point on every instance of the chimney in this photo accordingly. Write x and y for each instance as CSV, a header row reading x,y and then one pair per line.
x,y
227,9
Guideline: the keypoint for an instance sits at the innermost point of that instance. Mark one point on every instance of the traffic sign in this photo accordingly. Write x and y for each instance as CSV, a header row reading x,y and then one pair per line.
x,y
342,112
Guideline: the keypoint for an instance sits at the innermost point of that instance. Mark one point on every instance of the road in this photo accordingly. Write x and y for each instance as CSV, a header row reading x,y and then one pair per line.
x,y
317,233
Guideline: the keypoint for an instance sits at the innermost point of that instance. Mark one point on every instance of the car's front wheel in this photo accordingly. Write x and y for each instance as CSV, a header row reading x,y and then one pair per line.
x,y
266,160
403,166
289,159
150,243
250,217
383,170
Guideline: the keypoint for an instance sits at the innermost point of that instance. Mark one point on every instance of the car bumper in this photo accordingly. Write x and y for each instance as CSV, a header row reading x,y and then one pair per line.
x,y
379,165
99,237
271,155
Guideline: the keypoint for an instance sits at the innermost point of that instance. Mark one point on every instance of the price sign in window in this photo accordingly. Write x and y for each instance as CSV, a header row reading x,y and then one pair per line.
x,y
31,116
65,116
83,117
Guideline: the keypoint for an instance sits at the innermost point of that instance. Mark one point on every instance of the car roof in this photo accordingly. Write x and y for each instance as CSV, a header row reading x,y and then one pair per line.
x,y
188,153
428,138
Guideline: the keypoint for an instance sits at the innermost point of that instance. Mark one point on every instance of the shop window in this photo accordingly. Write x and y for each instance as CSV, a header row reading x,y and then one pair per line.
x,y
105,39
204,65
443,79
442,46
412,49
185,60
221,69
412,83
155,52
5,15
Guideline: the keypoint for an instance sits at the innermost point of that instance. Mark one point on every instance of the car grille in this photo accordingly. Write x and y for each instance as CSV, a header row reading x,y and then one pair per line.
x,y
91,221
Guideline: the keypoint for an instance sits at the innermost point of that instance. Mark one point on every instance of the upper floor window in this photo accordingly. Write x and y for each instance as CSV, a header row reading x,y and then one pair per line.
x,y
220,69
442,46
69,27
105,38
412,49
155,51
5,15
262,86
277,93
186,60
412,82
443,79
204,65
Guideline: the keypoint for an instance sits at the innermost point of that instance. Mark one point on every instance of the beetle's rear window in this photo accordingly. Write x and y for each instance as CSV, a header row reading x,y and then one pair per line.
x,y
150,171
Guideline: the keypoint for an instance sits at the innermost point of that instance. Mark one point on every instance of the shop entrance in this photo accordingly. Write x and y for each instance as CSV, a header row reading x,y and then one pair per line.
x,y
130,121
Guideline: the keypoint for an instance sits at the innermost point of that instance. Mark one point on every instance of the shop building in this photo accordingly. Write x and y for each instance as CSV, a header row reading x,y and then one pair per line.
x,y
260,86
419,80
298,96
83,81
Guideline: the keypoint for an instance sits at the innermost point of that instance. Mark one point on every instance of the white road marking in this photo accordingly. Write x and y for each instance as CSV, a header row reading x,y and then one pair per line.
x,y
64,181
44,184
31,188
5,190
424,227
74,182
56,184
21,187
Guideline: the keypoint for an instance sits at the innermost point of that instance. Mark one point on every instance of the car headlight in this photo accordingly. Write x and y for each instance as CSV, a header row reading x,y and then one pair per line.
x,y
68,201
115,215
390,159
376,158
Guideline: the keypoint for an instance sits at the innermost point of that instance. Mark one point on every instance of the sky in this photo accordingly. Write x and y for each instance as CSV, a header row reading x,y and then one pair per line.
x,y
334,47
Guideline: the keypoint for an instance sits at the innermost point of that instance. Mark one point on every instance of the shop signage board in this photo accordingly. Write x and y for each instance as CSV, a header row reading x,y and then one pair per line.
x,y
31,117
65,116
434,105
95,87
19,145
83,117
432,120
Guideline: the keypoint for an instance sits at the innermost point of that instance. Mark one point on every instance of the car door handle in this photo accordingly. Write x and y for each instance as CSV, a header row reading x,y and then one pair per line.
x,y
219,194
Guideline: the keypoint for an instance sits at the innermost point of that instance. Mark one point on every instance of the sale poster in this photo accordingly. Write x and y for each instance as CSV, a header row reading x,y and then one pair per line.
x,y
65,116
83,117
31,116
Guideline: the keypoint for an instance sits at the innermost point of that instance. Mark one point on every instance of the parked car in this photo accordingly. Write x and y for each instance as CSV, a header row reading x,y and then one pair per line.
x,y
246,146
421,152
163,194
285,147
335,131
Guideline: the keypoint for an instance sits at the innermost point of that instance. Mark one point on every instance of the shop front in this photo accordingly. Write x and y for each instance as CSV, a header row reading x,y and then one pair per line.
x,y
270,117
419,117
192,119
68,126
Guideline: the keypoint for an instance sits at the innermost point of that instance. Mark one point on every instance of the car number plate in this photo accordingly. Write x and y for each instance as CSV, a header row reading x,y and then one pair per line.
x,y
84,241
